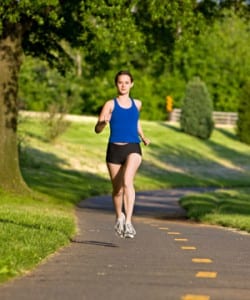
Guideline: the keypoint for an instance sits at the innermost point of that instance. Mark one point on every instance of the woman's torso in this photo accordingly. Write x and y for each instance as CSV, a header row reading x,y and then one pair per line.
x,y
124,123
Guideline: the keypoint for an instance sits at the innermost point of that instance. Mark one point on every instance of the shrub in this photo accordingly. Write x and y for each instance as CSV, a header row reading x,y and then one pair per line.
x,y
196,117
243,123
55,122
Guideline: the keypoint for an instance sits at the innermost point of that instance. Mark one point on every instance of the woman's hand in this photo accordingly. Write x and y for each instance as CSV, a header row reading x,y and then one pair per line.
x,y
101,124
146,141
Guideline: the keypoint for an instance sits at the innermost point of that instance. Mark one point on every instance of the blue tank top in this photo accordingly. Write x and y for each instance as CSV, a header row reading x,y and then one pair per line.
x,y
124,124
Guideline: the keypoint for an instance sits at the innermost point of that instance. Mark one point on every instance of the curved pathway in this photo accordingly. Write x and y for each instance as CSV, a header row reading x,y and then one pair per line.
x,y
170,258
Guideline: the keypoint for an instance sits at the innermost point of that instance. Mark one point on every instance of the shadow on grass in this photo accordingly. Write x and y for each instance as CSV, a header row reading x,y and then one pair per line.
x,y
228,134
222,202
43,172
171,127
181,166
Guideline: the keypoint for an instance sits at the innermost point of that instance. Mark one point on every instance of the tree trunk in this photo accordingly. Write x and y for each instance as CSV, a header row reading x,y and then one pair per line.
x,y
10,61
78,64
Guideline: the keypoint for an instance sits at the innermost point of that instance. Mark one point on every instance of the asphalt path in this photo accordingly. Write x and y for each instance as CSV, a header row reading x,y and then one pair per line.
x,y
170,258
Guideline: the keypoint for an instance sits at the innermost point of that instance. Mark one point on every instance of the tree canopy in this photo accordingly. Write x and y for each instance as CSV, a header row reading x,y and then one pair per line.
x,y
164,43
46,29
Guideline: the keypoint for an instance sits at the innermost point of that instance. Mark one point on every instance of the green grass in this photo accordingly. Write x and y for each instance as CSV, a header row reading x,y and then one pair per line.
x,y
230,208
173,159
30,230
73,168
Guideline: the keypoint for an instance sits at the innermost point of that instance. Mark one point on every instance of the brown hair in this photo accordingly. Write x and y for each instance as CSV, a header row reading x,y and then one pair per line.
x,y
123,73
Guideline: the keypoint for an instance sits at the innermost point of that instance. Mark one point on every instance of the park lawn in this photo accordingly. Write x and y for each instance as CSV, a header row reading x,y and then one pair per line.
x,y
229,208
73,168
30,230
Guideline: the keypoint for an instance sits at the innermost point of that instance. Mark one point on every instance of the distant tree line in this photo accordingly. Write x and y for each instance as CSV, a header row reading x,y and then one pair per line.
x,y
64,54
168,44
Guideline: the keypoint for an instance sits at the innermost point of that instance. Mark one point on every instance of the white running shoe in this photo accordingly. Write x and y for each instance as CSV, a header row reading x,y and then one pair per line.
x,y
129,231
119,225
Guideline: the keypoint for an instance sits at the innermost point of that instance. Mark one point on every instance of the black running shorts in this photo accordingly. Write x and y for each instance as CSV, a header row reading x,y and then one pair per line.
x,y
117,154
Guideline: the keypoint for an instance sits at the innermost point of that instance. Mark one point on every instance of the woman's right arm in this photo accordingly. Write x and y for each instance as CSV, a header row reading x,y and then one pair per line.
x,y
104,116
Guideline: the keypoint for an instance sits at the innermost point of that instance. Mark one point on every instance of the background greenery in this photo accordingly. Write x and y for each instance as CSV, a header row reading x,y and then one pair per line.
x,y
73,168
173,159
167,47
196,114
164,44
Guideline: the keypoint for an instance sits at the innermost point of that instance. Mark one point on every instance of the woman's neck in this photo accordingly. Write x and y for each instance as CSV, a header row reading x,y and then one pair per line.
x,y
123,98
124,101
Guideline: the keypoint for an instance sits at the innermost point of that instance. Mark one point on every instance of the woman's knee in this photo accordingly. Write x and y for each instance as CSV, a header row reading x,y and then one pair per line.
x,y
118,192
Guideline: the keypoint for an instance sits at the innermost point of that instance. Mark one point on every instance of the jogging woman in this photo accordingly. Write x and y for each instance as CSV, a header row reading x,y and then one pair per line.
x,y
124,154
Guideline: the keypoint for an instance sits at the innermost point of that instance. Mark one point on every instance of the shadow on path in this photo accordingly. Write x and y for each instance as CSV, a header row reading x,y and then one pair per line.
x,y
158,203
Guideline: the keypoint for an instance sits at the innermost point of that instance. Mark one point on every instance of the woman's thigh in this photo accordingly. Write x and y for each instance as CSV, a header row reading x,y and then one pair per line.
x,y
131,166
116,175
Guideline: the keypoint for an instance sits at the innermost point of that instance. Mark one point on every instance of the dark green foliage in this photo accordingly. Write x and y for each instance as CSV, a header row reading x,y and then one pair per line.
x,y
196,117
243,124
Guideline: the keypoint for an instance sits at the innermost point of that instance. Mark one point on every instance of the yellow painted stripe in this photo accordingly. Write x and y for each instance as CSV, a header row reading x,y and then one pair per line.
x,y
206,274
154,225
173,233
195,297
181,240
202,260
163,228
188,248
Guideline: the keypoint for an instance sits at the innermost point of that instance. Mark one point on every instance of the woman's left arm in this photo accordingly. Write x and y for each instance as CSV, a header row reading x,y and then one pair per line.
x,y
145,140
140,131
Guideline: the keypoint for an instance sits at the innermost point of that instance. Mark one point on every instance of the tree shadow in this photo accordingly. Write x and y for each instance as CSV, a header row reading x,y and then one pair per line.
x,y
171,127
179,164
46,173
228,134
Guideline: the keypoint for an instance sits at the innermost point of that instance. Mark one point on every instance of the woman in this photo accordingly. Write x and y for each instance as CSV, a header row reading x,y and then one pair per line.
x,y
123,152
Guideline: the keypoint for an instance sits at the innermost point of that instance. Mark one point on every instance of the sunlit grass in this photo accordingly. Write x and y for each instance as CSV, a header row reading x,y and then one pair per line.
x,y
173,159
230,208
73,168
30,230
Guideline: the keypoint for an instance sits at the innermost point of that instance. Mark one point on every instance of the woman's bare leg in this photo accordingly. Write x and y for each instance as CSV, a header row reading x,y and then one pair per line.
x,y
130,168
116,176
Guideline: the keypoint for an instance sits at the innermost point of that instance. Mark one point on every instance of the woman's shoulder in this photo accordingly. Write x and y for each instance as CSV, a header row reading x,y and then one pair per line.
x,y
138,103
109,103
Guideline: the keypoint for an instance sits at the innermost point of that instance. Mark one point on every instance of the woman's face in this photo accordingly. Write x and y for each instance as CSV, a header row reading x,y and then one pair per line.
x,y
124,84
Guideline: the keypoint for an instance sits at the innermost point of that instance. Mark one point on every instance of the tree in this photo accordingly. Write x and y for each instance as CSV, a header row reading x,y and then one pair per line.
x,y
243,123
196,115
164,25
41,86
221,57
41,28
136,35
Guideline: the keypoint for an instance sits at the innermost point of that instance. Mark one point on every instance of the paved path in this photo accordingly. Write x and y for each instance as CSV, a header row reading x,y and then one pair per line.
x,y
170,258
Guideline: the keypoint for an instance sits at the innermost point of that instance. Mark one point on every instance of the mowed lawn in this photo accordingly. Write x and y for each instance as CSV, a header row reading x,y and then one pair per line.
x,y
173,159
73,168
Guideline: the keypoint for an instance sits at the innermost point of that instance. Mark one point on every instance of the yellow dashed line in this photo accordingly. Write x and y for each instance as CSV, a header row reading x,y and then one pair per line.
x,y
206,274
188,248
154,225
173,233
163,228
202,260
195,297
180,240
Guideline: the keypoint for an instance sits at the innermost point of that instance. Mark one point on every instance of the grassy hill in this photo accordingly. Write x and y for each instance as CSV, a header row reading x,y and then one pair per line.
x,y
73,168
173,159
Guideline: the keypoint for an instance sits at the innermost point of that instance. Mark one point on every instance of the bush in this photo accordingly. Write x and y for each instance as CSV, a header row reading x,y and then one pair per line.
x,y
55,123
243,123
196,117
